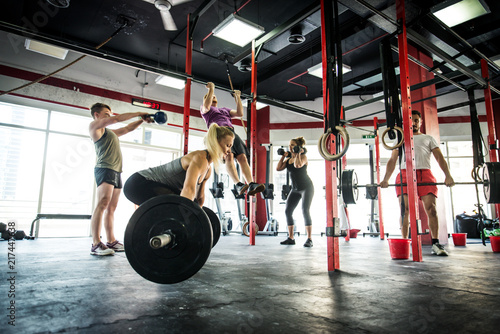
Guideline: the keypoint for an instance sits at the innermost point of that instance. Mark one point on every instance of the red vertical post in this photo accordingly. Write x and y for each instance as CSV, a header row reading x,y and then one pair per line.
x,y
330,166
253,146
187,88
492,135
411,179
379,191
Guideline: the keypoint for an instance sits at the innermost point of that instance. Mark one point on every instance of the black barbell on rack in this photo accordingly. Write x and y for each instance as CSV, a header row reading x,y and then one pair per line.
x,y
168,238
491,184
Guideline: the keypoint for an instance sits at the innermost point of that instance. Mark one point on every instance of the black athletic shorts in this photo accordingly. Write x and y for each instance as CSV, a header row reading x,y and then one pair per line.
x,y
109,176
239,146
138,189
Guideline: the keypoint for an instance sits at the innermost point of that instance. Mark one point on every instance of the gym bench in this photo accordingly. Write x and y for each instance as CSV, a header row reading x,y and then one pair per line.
x,y
52,216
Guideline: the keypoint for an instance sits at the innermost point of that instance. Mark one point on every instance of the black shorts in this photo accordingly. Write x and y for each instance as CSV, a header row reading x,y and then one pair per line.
x,y
138,189
239,146
109,176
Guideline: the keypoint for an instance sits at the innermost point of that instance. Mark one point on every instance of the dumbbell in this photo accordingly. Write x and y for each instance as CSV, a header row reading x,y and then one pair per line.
x,y
296,149
160,117
4,233
19,235
281,151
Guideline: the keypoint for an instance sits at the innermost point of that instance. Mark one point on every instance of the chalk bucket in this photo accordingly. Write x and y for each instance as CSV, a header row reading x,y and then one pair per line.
x,y
495,244
354,233
459,239
399,248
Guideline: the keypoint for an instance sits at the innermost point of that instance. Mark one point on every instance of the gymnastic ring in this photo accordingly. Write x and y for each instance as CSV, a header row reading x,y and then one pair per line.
x,y
246,229
398,144
476,176
323,151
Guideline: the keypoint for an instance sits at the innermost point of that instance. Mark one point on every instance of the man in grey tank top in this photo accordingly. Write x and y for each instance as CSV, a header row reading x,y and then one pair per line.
x,y
108,172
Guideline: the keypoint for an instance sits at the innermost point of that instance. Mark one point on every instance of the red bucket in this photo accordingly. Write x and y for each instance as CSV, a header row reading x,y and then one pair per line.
x,y
459,239
399,248
354,233
495,244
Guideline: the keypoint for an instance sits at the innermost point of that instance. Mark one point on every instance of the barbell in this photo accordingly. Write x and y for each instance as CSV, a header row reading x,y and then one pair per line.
x,y
168,238
491,184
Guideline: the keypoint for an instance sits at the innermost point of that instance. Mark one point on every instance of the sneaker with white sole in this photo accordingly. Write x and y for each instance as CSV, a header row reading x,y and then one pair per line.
x,y
438,249
101,249
116,246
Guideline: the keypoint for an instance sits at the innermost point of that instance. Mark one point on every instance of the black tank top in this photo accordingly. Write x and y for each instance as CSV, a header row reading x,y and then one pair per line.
x,y
299,177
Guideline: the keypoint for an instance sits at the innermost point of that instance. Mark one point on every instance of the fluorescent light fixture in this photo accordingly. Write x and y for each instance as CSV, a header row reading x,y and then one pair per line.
x,y
237,30
454,12
45,49
172,82
496,60
317,70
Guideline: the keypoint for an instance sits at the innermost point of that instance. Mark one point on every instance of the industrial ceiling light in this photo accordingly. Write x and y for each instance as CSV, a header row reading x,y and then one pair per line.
x,y
237,30
296,36
59,3
496,60
45,49
317,70
172,82
454,12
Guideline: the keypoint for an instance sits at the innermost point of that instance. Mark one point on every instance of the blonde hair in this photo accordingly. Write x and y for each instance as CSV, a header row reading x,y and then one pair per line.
x,y
300,141
214,136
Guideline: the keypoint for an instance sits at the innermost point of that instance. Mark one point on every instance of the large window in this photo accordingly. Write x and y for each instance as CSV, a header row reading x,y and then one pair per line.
x,y
47,161
21,156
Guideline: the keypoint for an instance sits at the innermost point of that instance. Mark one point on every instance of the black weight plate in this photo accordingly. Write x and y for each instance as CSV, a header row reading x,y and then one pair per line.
x,y
349,186
214,221
193,239
491,177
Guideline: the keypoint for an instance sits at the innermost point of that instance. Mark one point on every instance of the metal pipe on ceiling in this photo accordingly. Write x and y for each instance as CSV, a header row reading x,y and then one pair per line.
x,y
420,40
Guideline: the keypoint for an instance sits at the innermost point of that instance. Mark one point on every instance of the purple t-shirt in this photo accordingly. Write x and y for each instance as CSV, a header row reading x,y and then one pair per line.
x,y
219,116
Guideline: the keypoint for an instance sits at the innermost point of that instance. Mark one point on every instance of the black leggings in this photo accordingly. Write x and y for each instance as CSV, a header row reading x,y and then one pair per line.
x,y
293,200
138,189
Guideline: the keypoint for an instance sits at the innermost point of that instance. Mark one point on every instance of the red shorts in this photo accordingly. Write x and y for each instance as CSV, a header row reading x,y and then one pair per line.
x,y
423,176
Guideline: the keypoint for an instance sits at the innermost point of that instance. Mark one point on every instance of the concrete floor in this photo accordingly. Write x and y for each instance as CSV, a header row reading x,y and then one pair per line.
x,y
267,288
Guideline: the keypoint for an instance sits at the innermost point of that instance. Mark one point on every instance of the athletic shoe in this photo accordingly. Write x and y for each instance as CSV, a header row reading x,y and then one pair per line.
x,y
309,243
116,246
255,188
240,188
288,241
438,249
101,249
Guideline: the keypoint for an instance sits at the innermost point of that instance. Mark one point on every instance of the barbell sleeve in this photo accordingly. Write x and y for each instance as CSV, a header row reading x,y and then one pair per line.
x,y
160,241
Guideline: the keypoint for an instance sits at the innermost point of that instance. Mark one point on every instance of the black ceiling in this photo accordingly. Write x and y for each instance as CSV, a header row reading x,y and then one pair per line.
x,y
146,44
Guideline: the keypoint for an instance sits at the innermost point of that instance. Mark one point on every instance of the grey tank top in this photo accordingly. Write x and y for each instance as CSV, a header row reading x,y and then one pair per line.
x,y
170,174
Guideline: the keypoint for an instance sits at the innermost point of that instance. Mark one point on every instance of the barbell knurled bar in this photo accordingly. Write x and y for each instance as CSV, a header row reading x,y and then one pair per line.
x,y
490,181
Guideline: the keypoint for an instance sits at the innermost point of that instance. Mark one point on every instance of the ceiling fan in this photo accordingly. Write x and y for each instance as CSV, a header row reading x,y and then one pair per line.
x,y
164,7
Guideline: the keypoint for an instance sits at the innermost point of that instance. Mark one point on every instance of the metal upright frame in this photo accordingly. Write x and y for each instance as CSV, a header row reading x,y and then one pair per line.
x,y
492,135
411,178
377,168
252,217
330,166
